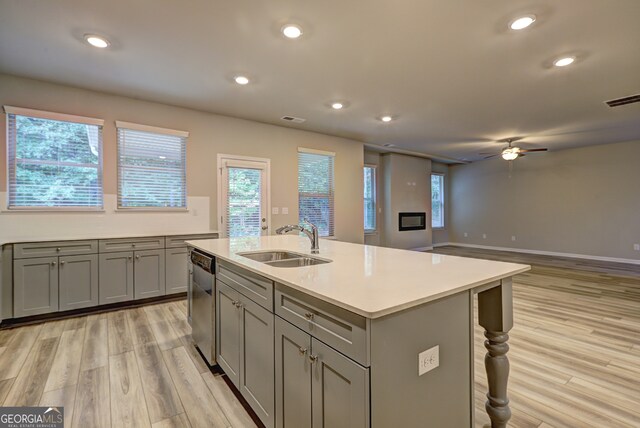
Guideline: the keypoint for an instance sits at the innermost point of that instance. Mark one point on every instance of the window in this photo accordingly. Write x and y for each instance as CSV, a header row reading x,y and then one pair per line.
x,y
369,199
152,165
315,189
437,201
54,160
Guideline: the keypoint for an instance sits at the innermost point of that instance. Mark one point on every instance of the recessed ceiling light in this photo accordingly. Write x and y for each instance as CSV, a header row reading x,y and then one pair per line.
x,y
337,106
241,80
522,22
386,119
96,41
563,62
291,31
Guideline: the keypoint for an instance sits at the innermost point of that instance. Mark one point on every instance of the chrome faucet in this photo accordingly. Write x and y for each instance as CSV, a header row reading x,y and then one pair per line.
x,y
311,234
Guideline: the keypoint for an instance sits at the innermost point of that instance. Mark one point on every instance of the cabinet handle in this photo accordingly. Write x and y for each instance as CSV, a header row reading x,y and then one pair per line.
x,y
133,245
302,350
313,358
309,316
58,249
137,257
238,305
62,262
130,257
53,263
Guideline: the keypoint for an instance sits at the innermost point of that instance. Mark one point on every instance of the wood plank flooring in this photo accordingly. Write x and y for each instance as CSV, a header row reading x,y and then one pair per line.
x,y
575,358
575,345
129,368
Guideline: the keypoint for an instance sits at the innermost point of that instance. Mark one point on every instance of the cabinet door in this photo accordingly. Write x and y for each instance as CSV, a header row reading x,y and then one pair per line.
x,y
35,288
293,376
257,359
340,391
228,331
115,277
78,276
176,270
148,274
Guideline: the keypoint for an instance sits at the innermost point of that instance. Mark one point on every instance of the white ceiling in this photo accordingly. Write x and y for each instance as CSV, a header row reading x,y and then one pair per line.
x,y
451,71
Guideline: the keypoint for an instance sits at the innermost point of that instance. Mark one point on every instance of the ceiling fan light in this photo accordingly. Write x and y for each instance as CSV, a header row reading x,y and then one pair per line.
x,y
510,153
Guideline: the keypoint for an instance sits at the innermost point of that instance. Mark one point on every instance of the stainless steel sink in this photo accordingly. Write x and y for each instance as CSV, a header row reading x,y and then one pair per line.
x,y
283,259
302,261
270,256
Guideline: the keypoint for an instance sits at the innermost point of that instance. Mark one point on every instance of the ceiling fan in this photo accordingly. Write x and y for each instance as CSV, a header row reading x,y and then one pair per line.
x,y
512,152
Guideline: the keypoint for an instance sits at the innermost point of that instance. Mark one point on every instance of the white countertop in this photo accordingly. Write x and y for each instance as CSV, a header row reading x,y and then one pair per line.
x,y
99,235
368,280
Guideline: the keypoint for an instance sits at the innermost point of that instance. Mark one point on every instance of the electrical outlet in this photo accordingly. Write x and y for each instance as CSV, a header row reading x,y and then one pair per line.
x,y
285,210
513,237
484,236
428,360
636,247
275,210
466,234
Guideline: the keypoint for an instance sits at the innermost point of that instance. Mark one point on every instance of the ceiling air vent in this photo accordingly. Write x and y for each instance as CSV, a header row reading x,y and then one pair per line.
x,y
624,101
293,119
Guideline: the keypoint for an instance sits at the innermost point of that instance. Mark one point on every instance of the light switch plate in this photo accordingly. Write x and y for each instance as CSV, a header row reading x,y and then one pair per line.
x,y
428,360
275,210
285,210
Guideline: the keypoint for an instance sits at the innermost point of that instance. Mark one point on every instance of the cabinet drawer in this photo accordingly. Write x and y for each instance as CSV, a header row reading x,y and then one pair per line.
x,y
343,330
58,248
254,286
179,241
128,244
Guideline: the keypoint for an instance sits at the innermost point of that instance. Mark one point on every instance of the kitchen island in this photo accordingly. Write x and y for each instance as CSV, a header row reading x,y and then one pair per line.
x,y
373,337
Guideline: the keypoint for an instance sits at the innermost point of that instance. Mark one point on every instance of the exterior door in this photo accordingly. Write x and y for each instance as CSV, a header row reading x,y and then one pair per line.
x,y
243,204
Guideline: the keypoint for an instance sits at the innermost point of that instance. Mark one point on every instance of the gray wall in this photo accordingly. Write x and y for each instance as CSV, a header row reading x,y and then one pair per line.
x,y
581,201
210,134
407,188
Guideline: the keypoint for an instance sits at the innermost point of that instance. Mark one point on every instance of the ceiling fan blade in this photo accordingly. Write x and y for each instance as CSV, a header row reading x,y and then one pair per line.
x,y
486,153
492,156
533,150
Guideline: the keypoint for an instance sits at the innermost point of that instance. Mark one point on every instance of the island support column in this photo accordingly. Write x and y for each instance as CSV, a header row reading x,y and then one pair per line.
x,y
495,313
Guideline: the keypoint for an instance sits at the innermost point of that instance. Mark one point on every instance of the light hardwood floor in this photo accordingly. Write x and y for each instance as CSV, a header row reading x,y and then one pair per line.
x,y
575,345
130,368
575,358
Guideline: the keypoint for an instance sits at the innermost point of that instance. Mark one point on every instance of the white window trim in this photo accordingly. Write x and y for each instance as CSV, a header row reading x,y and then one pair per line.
x,y
316,151
154,129
244,162
375,198
444,218
40,114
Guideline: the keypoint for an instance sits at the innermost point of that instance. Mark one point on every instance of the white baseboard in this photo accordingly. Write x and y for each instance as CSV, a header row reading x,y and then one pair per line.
x,y
429,248
442,244
543,253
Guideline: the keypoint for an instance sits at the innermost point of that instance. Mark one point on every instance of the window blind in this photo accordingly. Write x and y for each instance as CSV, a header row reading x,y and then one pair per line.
x,y
316,189
244,202
151,167
369,199
53,164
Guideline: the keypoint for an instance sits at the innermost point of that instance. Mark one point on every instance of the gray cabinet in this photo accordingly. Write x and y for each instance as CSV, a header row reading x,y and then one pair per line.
x,y
78,281
257,359
116,277
148,274
245,332
293,376
340,389
316,386
176,270
228,331
35,286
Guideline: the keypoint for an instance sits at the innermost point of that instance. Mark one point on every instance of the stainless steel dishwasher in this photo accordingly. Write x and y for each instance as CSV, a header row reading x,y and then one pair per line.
x,y
203,304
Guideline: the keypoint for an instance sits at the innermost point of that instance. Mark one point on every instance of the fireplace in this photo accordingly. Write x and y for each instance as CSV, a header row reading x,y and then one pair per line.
x,y
411,221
